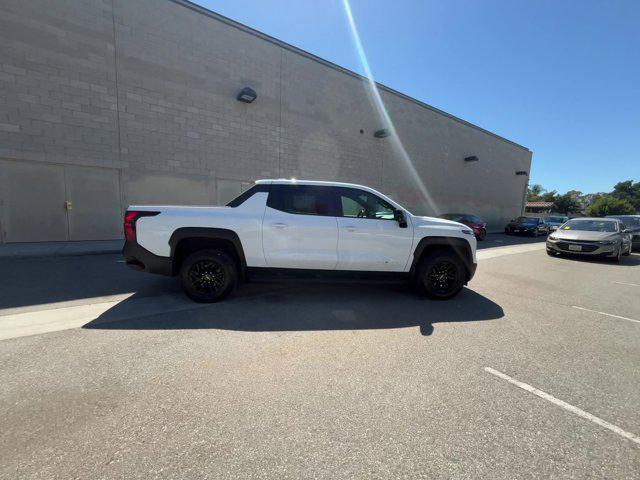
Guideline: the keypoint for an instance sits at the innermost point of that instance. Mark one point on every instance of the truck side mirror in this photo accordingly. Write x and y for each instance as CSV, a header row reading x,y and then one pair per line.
x,y
400,218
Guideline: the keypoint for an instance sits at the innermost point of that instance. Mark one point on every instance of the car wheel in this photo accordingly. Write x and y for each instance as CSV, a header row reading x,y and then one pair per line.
x,y
208,276
482,235
618,255
628,251
442,275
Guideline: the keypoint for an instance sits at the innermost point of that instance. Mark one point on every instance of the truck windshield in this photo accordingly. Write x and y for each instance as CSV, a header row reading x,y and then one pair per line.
x,y
591,225
244,196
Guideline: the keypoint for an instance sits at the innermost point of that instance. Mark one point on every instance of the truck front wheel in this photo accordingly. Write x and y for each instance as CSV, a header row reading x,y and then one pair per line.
x,y
208,275
442,275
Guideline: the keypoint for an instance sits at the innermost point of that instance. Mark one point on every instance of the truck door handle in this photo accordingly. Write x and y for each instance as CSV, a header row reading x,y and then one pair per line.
x,y
350,228
279,225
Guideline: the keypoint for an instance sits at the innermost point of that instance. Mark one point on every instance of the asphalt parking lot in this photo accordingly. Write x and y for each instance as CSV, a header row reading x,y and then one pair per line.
x,y
531,372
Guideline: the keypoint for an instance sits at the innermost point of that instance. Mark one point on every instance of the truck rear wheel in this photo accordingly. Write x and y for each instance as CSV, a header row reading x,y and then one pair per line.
x,y
208,275
442,275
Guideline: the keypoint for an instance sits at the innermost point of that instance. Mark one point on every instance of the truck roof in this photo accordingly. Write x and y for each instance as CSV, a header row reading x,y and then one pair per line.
x,y
295,181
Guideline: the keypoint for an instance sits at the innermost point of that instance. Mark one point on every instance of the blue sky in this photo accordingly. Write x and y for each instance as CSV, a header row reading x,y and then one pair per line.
x,y
559,77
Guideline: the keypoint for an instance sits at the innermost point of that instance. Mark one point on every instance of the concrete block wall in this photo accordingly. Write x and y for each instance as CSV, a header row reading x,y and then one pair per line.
x,y
148,87
57,80
178,76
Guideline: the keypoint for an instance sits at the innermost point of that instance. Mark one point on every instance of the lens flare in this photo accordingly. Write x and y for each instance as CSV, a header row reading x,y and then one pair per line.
x,y
378,105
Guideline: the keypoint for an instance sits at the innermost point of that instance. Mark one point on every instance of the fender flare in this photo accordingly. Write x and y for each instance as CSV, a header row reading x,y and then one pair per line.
x,y
459,245
209,233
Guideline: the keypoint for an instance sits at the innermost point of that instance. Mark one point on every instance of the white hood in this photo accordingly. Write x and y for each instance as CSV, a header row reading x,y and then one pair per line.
x,y
437,222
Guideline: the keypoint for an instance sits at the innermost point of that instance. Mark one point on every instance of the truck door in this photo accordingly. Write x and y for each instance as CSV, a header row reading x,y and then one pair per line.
x,y
299,229
369,236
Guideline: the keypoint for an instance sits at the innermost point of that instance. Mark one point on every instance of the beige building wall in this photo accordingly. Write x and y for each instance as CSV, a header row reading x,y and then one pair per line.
x,y
147,89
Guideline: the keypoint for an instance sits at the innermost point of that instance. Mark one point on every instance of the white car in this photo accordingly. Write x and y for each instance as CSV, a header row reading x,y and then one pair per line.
x,y
296,227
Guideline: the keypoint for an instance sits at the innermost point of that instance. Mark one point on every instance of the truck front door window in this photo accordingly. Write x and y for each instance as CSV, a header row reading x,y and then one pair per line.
x,y
362,204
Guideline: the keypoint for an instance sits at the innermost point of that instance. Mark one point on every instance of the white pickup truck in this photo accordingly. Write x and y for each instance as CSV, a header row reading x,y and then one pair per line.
x,y
293,227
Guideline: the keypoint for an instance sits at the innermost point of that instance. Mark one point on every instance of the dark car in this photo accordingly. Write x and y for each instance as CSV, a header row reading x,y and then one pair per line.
x,y
476,224
533,226
556,222
632,224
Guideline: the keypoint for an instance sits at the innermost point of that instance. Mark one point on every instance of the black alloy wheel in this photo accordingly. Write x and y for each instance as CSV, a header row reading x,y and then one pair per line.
x,y
208,275
442,274
442,277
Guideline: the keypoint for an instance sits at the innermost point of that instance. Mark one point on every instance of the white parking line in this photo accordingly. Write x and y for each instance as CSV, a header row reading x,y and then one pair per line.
x,y
565,405
492,252
607,314
630,284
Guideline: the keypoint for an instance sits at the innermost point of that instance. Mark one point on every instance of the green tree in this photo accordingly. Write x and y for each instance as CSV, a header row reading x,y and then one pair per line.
x,y
610,205
534,192
629,191
588,199
568,203
549,196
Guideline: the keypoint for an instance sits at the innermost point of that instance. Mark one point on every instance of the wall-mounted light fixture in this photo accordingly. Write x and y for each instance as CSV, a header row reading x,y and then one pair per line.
x,y
382,133
247,95
471,159
521,172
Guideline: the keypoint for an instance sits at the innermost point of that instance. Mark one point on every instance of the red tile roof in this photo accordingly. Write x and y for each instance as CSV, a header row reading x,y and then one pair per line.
x,y
540,204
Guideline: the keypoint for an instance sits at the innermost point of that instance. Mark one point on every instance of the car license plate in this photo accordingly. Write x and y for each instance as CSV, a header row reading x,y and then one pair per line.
x,y
517,231
575,248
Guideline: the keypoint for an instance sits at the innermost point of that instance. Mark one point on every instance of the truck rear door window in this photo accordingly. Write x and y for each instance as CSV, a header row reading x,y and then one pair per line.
x,y
300,199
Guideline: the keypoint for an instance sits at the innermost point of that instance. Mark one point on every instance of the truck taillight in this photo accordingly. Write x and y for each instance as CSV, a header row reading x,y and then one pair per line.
x,y
130,219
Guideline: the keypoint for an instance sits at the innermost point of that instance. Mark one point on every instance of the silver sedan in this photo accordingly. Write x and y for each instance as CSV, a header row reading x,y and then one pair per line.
x,y
603,237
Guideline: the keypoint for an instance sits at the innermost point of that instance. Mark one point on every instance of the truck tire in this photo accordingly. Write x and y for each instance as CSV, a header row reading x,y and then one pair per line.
x,y
442,275
208,276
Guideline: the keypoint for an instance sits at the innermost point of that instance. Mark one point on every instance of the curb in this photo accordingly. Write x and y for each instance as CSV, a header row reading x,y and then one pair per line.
x,y
59,249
